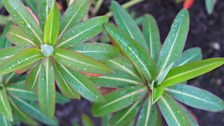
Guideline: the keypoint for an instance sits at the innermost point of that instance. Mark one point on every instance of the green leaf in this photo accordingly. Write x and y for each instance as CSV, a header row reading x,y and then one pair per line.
x,y
18,37
32,77
23,116
21,93
98,51
75,12
44,7
175,41
191,70
32,4
210,4
116,79
149,114
33,111
172,112
118,100
80,83
82,32
7,53
24,19
86,120
189,56
162,75
51,29
5,108
134,51
196,97
65,87
125,116
105,120
60,99
4,121
157,93
3,42
79,61
122,64
191,118
21,60
152,36
46,92
127,24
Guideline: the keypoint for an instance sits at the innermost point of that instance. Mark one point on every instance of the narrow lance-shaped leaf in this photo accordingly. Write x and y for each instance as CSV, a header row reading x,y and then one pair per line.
x,y
5,108
24,19
118,100
3,42
51,29
210,4
18,37
157,93
44,7
60,99
133,50
175,41
123,64
152,36
74,13
7,53
21,93
82,32
125,116
46,90
196,97
99,51
191,118
127,24
33,111
32,5
190,55
86,120
149,114
117,79
80,62
191,70
4,121
21,60
80,83
33,77
23,116
172,112
64,87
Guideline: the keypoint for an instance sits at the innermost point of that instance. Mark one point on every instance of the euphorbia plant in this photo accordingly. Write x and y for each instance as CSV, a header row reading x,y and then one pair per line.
x,y
149,83
53,51
18,103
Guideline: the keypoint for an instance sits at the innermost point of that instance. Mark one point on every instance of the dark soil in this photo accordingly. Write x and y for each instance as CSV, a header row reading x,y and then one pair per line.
x,y
206,32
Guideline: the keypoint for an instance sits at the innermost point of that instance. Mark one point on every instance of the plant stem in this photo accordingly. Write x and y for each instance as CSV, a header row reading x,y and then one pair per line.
x,y
125,6
97,7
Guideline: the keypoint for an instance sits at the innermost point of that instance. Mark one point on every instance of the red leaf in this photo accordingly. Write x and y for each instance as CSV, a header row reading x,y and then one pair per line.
x,y
188,4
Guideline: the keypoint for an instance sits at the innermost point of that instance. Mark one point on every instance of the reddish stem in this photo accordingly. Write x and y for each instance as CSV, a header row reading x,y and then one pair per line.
x,y
91,74
34,16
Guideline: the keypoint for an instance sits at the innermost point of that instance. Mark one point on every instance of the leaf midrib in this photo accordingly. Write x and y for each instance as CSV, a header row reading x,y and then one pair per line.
x,y
121,98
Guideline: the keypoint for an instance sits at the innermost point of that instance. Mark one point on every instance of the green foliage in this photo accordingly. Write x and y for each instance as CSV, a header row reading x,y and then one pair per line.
x,y
210,4
146,77
15,99
154,86
48,51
